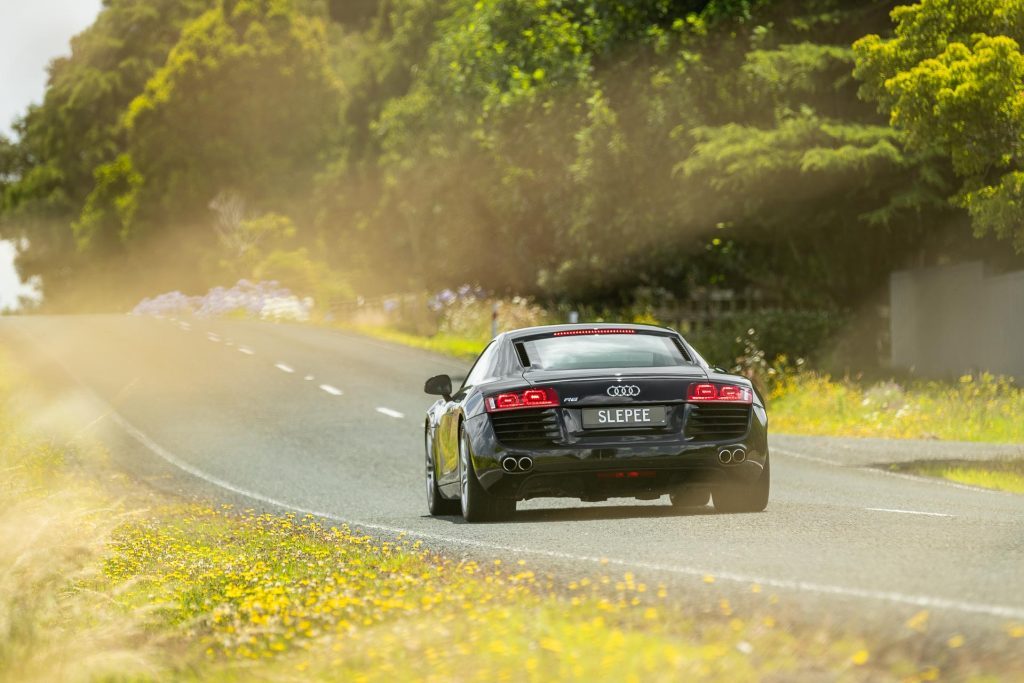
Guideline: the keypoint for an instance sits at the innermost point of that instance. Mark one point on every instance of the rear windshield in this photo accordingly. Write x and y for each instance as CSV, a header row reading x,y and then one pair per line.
x,y
603,351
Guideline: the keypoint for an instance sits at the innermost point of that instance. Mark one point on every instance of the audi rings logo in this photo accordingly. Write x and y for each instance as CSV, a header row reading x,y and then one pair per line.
x,y
623,390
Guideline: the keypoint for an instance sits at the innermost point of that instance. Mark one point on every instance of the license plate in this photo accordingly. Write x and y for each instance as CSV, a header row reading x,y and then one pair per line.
x,y
633,416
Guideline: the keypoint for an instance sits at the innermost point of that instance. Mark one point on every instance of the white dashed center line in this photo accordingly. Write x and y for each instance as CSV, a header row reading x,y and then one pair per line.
x,y
308,378
910,512
212,337
246,350
284,368
334,391
390,413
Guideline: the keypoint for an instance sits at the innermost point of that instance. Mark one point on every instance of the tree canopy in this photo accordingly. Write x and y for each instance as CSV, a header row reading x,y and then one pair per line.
x,y
576,150
249,87
951,79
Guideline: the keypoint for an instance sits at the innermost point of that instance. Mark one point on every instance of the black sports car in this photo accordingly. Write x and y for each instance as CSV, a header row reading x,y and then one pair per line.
x,y
594,412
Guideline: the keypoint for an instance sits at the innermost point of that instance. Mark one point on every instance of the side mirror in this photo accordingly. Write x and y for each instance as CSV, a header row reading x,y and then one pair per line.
x,y
440,385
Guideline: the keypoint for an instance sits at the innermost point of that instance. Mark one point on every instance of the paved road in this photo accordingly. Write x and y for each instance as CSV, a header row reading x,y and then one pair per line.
x,y
325,422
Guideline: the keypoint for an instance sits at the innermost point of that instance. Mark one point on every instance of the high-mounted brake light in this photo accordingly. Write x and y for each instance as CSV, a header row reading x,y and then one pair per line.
x,y
598,330
514,400
705,392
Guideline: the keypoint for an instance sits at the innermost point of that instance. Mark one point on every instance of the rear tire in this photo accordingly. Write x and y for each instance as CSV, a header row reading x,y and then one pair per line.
x,y
477,504
690,497
752,497
437,504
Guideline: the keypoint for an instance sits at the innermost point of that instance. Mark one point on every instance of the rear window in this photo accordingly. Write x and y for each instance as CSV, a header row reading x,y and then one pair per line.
x,y
603,351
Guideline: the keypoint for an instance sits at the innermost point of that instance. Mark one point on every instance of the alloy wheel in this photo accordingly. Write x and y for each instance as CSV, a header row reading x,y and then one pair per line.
x,y
464,473
430,469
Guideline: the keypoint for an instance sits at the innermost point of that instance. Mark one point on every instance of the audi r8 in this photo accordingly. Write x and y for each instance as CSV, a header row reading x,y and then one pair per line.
x,y
594,412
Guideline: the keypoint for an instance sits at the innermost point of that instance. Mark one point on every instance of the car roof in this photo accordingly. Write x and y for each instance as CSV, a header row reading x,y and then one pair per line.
x,y
551,329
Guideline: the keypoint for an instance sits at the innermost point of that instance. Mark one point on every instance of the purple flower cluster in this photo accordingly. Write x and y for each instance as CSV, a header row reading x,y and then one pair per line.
x,y
254,299
166,304
447,297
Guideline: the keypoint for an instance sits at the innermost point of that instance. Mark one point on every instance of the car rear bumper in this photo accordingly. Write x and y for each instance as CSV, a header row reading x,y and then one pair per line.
x,y
633,467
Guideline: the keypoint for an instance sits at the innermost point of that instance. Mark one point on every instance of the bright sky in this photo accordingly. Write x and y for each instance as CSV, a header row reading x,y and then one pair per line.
x,y
32,32
10,287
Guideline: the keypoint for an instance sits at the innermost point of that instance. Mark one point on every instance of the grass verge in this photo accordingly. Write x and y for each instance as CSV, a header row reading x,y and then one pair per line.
x,y
985,409
102,579
1001,475
464,348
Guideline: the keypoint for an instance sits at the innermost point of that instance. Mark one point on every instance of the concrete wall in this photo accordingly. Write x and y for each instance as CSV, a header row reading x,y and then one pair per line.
x,y
951,320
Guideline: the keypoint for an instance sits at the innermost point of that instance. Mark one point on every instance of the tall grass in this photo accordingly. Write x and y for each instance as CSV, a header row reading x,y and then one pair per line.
x,y
54,624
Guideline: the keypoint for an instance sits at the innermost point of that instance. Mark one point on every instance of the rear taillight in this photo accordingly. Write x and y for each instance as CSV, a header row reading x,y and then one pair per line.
x,y
514,400
704,392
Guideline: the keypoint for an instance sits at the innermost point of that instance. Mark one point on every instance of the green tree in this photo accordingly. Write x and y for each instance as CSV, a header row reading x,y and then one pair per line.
x,y
249,100
588,150
77,128
600,151
950,78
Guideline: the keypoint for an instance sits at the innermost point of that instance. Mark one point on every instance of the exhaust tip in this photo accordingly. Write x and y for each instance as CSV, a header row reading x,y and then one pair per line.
x,y
725,456
739,455
526,464
509,464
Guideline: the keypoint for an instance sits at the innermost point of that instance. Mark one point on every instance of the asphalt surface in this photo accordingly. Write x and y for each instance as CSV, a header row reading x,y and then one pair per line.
x,y
319,421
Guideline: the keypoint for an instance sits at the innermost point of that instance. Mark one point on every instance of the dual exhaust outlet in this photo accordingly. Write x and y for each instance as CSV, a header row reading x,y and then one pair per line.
x,y
733,456
522,464
726,456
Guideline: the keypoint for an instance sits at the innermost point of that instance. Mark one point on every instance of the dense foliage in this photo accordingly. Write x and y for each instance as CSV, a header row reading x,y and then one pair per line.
x,y
598,152
951,78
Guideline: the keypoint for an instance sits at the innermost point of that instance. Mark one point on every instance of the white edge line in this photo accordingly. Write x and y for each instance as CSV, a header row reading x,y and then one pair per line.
x,y
284,368
922,601
334,391
910,512
390,413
